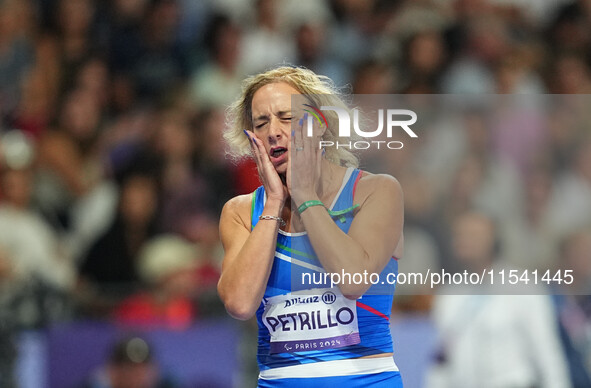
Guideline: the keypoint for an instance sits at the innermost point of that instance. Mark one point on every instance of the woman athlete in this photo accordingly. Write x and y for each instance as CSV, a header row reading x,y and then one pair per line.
x,y
314,214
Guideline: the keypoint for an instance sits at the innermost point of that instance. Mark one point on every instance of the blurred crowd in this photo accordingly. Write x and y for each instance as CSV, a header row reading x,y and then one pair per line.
x,y
113,171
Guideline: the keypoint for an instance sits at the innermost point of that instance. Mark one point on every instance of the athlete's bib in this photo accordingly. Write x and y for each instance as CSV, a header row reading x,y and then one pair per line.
x,y
316,319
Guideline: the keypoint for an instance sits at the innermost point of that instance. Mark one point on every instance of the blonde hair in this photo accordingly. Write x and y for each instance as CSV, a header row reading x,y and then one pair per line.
x,y
317,89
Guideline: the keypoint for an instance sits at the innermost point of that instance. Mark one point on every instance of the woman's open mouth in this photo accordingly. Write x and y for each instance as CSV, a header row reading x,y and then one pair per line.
x,y
277,154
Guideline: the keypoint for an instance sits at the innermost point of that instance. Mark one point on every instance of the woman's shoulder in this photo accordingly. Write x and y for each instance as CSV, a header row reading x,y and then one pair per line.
x,y
239,204
377,183
238,208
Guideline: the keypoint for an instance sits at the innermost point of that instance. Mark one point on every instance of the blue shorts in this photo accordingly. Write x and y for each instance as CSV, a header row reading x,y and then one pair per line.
x,y
376,380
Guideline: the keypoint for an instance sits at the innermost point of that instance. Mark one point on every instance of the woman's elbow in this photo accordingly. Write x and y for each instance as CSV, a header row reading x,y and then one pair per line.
x,y
353,296
352,291
236,308
239,311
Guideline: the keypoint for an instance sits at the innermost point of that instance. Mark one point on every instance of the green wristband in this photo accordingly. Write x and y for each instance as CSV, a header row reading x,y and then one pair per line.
x,y
308,204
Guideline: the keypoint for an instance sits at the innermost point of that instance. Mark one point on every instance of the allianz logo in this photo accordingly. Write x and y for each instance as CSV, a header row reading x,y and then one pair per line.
x,y
300,300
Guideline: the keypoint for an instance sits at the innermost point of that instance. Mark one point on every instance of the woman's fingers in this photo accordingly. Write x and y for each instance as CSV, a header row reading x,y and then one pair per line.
x,y
252,144
309,141
262,152
256,152
265,168
297,138
256,147
305,141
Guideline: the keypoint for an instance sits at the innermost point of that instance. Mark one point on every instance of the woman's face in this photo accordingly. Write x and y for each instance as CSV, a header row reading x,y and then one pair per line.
x,y
271,119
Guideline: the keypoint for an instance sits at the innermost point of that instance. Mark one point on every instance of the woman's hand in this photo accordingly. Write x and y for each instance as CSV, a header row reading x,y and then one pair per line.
x,y
305,156
269,177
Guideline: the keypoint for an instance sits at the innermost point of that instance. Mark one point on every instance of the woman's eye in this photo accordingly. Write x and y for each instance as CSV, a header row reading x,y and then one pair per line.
x,y
259,126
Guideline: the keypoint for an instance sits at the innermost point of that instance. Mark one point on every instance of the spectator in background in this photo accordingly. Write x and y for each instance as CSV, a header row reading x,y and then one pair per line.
x,y
34,109
312,52
570,206
75,38
569,28
179,280
33,259
167,266
124,19
29,242
8,352
516,72
17,54
185,194
529,241
127,142
570,74
421,235
530,13
41,89
216,83
109,271
93,77
151,57
374,77
573,305
565,123
424,58
482,180
161,64
486,42
130,364
219,173
71,189
265,44
352,37
493,340
518,130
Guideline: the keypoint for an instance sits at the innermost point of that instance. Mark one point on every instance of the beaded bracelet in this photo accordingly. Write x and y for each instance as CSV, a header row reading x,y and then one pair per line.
x,y
308,204
275,218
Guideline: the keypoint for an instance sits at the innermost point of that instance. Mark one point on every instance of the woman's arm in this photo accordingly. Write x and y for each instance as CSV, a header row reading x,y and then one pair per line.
x,y
248,255
374,234
376,229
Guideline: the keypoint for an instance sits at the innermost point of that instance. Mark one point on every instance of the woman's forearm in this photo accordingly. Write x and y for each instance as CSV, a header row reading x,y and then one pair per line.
x,y
246,272
336,251
370,242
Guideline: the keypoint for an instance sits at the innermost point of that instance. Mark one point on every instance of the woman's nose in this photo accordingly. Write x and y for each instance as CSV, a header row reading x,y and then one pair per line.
x,y
276,130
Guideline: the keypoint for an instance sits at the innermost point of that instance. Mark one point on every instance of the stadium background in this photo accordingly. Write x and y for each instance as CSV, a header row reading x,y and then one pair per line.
x,y
113,171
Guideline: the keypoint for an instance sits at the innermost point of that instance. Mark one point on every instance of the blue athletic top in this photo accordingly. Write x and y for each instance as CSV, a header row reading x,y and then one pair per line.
x,y
295,256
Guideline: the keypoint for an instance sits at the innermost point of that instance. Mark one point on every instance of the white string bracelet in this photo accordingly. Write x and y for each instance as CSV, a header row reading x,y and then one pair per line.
x,y
281,222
